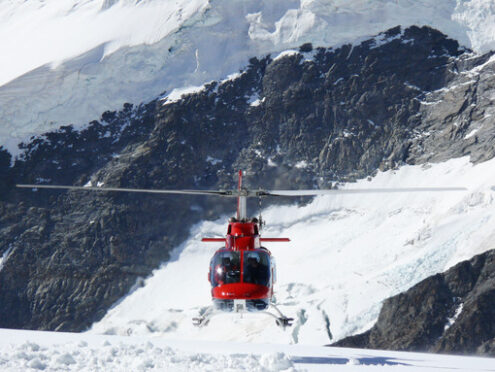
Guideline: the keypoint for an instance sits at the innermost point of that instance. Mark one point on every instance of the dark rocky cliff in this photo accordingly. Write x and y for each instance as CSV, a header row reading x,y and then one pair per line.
x,y
453,312
303,120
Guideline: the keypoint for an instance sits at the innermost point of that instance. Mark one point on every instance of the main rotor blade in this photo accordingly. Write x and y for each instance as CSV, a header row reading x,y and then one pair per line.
x,y
357,191
152,191
251,193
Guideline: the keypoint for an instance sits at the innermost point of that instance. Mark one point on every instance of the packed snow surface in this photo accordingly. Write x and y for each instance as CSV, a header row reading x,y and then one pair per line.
x,y
50,351
347,254
68,61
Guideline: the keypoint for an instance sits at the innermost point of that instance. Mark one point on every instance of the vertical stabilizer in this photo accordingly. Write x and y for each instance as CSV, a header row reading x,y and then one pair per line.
x,y
241,201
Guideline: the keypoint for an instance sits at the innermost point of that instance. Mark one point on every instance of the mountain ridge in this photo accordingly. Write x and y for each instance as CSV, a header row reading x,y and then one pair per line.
x,y
305,119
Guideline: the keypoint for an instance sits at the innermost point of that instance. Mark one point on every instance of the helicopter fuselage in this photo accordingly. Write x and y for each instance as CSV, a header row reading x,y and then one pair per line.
x,y
243,272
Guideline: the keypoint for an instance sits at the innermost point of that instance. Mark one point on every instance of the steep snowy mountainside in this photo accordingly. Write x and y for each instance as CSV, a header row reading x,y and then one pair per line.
x,y
37,33
66,62
306,119
308,116
347,254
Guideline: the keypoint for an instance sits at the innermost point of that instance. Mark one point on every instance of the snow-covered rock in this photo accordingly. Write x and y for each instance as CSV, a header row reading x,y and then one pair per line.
x,y
67,62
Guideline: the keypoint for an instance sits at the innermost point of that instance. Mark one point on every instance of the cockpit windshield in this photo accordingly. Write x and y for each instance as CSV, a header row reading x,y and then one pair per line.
x,y
256,268
225,268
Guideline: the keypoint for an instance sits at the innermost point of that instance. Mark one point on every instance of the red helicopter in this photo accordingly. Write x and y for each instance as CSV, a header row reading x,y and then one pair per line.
x,y
242,274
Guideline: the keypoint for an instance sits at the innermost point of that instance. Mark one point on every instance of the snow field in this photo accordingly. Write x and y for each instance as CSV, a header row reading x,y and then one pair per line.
x,y
22,350
113,355
347,254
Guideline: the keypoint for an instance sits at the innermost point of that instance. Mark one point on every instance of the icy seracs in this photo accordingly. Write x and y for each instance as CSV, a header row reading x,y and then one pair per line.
x,y
68,61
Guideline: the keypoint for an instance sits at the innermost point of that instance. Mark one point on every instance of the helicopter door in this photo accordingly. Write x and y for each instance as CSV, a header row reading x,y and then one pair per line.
x,y
225,268
257,268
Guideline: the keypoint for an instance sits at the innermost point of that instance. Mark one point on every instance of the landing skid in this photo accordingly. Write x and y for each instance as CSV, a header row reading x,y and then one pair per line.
x,y
280,319
203,319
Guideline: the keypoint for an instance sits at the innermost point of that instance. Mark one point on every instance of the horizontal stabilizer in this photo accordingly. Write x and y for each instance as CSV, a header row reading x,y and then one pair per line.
x,y
213,240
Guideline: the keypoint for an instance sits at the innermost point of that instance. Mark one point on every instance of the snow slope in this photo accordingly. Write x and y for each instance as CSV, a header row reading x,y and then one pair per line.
x,y
50,351
68,61
347,254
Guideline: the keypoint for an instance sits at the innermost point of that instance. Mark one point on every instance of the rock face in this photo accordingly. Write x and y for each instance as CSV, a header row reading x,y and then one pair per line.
x,y
5,171
302,120
453,312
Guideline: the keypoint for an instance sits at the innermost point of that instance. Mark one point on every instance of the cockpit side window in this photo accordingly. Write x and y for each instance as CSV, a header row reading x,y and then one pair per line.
x,y
225,268
257,268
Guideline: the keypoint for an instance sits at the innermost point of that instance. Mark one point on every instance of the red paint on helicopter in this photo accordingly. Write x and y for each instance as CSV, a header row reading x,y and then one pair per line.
x,y
243,269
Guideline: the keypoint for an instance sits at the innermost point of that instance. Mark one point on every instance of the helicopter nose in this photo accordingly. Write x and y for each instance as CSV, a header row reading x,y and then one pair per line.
x,y
240,290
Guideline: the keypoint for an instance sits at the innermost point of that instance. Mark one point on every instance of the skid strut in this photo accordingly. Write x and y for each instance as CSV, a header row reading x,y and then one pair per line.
x,y
203,319
280,319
